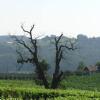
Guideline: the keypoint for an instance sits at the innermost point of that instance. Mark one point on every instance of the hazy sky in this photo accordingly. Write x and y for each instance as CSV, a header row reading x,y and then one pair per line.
x,y
71,17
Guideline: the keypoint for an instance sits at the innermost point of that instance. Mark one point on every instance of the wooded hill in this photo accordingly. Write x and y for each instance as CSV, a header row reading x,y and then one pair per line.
x,y
88,51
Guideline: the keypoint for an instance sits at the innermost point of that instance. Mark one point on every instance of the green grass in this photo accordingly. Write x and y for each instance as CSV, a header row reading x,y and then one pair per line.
x,y
28,93
72,82
91,82
18,83
72,88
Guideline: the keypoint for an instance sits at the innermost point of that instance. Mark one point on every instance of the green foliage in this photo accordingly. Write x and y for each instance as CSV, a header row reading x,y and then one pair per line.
x,y
48,94
81,66
98,64
19,76
67,73
82,82
75,87
44,65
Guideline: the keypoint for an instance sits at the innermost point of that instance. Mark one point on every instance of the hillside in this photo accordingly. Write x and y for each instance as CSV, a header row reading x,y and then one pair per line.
x,y
88,51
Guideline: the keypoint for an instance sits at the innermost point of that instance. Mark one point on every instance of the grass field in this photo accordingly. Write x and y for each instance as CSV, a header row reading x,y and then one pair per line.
x,y
71,88
87,82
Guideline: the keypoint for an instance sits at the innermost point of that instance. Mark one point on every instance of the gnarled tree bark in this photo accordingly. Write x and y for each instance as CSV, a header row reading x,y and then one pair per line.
x,y
57,75
34,52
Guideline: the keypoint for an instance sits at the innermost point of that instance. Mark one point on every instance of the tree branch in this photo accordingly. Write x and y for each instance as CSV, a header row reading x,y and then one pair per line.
x,y
23,60
24,29
22,42
59,38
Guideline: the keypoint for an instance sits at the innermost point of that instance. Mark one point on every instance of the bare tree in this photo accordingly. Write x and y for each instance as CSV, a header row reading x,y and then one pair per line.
x,y
33,50
60,48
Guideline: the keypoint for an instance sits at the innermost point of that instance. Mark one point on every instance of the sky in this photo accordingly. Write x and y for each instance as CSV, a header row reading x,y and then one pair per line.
x,y
70,17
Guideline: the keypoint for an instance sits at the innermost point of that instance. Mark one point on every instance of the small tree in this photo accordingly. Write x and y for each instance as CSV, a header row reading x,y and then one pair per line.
x,y
81,66
98,66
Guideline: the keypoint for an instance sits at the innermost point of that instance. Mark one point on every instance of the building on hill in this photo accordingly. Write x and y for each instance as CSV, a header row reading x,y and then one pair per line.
x,y
90,69
85,70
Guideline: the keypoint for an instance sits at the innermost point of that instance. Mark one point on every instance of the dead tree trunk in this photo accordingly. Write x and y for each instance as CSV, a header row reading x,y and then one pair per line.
x,y
57,75
59,48
33,50
40,72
